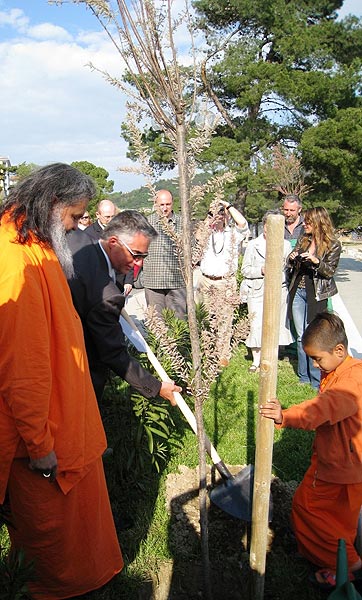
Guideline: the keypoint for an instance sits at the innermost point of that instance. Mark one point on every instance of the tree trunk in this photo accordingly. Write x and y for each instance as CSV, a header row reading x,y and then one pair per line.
x,y
184,189
240,198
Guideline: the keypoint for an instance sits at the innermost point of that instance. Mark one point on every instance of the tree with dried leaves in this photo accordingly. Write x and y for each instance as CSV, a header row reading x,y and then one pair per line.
x,y
164,92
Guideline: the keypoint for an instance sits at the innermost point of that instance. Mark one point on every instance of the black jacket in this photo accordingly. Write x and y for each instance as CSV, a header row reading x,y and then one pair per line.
x,y
82,237
323,282
94,231
99,303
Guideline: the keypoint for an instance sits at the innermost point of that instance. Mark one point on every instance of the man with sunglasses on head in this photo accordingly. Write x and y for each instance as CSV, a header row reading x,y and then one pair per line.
x,y
99,301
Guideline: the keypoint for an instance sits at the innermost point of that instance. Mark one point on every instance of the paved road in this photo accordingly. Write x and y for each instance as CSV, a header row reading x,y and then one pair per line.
x,y
348,303
349,283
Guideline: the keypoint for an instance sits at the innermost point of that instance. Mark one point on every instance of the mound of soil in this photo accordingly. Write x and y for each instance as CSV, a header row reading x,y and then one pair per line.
x,y
229,540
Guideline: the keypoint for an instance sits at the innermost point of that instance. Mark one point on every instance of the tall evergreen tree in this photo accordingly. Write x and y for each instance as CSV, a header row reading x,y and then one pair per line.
x,y
277,69
332,154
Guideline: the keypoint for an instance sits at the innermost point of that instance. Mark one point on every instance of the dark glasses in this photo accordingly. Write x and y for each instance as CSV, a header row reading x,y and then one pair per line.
x,y
136,255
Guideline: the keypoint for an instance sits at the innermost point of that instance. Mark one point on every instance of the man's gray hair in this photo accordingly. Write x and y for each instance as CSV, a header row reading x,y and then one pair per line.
x,y
293,198
127,224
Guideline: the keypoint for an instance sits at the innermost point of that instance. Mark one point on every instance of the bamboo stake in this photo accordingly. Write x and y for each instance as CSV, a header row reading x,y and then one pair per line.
x,y
267,389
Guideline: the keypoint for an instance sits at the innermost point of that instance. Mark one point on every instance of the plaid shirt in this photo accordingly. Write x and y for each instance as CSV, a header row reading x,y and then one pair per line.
x,y
161,269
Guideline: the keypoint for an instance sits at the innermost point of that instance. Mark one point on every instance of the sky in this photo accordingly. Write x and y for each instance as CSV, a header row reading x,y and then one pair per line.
x,y
52,106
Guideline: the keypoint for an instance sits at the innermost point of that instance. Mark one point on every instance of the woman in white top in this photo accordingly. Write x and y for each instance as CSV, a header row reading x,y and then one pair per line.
x,y
253,270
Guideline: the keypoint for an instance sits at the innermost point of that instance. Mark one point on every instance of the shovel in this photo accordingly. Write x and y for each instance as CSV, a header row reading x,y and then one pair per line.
x,y
344,588
234,494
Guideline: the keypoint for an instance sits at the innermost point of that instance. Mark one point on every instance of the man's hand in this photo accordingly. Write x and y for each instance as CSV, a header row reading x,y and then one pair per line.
x,y
127,288
48,465
167,390
272,410
224,203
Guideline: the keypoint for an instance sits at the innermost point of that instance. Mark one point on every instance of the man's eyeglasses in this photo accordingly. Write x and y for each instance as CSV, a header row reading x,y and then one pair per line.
x,y
135,255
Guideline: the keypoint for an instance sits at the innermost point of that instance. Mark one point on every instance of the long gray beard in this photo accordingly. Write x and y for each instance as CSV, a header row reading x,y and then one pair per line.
x,y
60,245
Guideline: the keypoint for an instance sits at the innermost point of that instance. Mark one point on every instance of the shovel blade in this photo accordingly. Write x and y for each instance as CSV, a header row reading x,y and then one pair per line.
x,y
235,495
347,591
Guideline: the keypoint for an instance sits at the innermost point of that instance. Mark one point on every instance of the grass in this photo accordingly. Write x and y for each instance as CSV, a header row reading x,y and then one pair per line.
x,y
231,415
230,421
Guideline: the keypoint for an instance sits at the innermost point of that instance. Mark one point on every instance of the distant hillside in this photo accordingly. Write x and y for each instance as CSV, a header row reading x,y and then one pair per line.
x,y
136,199
139,199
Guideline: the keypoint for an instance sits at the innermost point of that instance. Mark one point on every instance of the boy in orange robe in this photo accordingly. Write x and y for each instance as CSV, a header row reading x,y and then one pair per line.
x,y
51,434
327,503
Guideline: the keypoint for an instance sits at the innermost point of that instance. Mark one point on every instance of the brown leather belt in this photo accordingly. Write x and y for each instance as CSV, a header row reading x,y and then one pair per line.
x,y
212,277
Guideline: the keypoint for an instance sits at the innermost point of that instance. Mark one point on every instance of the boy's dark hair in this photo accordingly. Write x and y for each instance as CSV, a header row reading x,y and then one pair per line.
x,y
325,331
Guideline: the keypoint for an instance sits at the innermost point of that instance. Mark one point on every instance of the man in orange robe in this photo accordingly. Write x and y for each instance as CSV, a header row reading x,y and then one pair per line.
x,y
51,434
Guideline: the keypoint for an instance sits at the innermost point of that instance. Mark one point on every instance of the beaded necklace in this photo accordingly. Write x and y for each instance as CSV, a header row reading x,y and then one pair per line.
x,y
214,245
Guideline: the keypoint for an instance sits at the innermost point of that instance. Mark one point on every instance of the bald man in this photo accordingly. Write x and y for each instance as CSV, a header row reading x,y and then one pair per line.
x,y
162,277
105,212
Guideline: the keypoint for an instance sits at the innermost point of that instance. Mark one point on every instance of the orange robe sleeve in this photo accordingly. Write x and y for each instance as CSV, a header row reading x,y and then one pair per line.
x,y
47,401
26,374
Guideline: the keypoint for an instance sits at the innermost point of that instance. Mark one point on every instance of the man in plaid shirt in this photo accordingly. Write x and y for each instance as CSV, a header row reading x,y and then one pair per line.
x,y
162,277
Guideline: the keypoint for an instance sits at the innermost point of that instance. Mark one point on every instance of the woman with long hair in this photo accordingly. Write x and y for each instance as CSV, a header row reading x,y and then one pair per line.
x,y
313,263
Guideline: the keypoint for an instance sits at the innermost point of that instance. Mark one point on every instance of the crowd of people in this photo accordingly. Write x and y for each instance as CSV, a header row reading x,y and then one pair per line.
x,y
63,287
311,257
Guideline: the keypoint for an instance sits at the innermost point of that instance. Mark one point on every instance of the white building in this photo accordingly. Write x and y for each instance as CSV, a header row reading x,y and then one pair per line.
x,y
4,175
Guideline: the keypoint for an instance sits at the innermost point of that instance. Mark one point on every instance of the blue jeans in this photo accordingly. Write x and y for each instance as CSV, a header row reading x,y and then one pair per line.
x,y
307,373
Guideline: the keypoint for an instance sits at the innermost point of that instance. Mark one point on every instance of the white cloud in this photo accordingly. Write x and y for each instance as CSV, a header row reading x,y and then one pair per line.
x,y
53,107
15,18
351,7
48,31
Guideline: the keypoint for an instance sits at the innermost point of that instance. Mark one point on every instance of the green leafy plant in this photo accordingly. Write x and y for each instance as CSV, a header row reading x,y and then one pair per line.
x,y
155,434
143,431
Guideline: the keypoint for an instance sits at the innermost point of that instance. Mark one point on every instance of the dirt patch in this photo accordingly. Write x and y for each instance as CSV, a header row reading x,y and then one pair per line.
x,y
229,540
